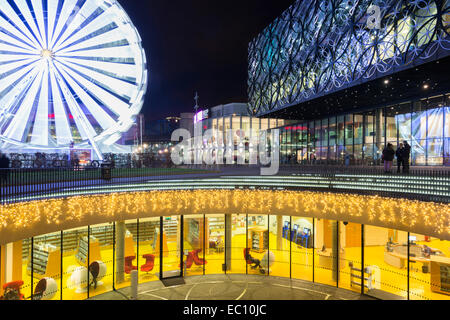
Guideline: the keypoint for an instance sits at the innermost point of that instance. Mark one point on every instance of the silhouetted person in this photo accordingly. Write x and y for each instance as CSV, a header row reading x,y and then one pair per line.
x,y
427,251
75,161
4,171
388,157
4,167
347,159
406,154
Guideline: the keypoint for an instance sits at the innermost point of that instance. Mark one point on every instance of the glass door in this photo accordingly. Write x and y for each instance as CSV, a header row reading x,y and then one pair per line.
x,y
193,245
170,245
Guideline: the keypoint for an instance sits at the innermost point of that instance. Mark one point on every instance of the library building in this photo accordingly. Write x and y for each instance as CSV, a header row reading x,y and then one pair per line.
x,y
342,88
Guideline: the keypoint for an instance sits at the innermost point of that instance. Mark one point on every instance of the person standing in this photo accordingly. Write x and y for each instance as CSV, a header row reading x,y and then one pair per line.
x,y
398,154
4,167
406,154
4,172
388,157
75,161
347,159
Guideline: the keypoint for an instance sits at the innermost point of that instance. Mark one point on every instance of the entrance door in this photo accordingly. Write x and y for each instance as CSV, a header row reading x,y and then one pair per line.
x,y
171,247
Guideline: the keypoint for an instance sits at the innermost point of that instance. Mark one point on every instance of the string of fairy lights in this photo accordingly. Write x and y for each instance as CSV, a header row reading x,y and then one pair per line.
x,y
53,215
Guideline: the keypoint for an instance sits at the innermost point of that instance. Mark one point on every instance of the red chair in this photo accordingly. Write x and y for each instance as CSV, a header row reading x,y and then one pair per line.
x,y
12,291
149,263
189,260
129,264
250,260
247,256
197,260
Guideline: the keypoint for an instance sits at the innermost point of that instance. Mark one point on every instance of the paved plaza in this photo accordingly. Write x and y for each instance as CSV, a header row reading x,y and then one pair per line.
x,y
235,287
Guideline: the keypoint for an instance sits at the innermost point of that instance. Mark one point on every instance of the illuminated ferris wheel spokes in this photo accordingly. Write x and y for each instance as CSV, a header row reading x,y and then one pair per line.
x,y
71,70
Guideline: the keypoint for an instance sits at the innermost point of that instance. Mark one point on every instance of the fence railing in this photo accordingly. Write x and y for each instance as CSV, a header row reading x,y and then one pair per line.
x,y
20,185
413,170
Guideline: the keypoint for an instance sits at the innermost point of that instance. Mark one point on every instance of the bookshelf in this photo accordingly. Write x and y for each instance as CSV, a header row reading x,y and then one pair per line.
x,y
170,228
46,261
83,250
258,239
215,234
440,274
103,234
147,230
194,232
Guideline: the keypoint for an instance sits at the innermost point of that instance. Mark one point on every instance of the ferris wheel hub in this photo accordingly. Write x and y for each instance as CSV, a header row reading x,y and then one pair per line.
x,y
47,54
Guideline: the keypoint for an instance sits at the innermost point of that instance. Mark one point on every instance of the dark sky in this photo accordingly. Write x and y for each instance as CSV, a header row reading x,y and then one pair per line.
x,y
198,45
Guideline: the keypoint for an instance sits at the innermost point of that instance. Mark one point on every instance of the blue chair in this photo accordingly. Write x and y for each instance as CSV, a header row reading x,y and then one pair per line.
x,y
305,237
286,229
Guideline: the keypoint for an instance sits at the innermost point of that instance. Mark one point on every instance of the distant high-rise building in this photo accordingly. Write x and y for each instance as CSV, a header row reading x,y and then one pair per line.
x,y
161,129
187,121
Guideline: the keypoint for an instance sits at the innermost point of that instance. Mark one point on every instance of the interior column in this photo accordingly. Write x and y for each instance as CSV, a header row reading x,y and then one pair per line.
x,y
334,249
228,234
379,128
279,233
120,251
2,268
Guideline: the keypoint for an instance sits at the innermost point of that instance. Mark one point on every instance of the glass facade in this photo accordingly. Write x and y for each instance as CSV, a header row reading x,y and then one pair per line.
x,y
359,138
319,47
171,246
147,233
194,238
81,263
215,243
244,130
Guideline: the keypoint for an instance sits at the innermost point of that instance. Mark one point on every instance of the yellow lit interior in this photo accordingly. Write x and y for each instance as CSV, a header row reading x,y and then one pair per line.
x,y
393,280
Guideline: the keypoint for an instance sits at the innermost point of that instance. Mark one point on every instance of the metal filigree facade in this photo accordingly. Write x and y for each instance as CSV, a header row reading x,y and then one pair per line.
x,y
320,46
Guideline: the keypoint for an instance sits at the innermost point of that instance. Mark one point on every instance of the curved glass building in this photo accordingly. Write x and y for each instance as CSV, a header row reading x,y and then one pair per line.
x,y
341,79
356,75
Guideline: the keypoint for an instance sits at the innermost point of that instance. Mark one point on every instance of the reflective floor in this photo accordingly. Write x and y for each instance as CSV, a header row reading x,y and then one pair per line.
x,y
393,280
235,287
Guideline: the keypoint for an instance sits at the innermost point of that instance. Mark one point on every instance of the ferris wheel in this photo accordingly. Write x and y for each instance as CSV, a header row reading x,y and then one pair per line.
x,y
72,74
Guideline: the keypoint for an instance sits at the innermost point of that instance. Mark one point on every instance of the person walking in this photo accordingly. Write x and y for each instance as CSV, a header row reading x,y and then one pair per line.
x,y
398,154
388,157
4,167
4,172
406,154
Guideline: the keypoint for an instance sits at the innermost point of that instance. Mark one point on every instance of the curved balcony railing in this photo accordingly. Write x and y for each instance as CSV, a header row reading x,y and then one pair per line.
x,y
369,243
21,185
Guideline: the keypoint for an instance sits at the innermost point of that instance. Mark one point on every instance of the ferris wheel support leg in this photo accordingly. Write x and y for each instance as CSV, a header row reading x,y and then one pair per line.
x,y
96,149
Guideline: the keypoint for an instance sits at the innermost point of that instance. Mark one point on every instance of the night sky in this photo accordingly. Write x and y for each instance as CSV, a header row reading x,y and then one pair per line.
x,y
198,45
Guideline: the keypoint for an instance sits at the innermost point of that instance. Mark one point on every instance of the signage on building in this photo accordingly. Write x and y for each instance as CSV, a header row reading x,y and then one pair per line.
x,y
200,116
